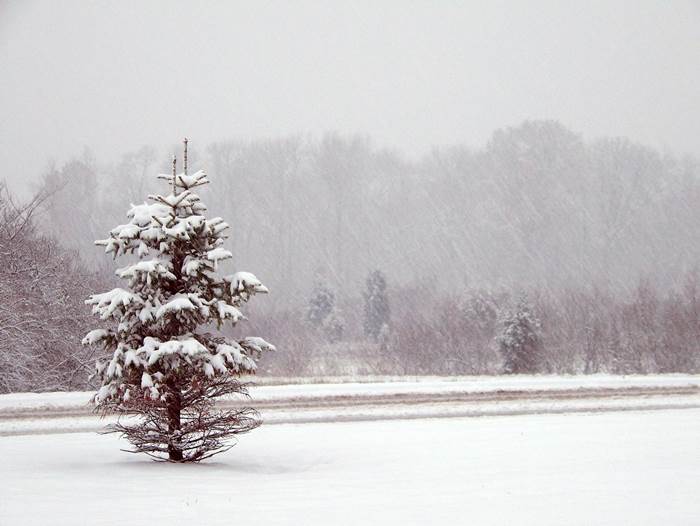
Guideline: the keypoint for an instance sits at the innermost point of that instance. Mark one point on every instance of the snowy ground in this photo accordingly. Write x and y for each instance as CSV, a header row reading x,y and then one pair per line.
x,y
605,469
32,413
282,388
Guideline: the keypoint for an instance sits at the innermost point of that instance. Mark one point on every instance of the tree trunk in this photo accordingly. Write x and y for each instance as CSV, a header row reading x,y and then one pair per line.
x,y
174,407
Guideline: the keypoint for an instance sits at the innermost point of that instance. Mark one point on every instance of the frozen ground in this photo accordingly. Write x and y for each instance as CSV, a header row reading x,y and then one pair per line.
x,y
636,468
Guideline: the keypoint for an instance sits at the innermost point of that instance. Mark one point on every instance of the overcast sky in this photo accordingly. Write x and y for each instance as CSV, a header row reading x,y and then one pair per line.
x,y
113,76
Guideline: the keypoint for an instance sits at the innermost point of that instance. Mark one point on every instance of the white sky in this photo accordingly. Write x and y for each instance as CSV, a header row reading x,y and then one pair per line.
x,y
116,75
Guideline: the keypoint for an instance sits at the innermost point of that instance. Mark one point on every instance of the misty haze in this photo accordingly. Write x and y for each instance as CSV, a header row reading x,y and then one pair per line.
x,y
361,226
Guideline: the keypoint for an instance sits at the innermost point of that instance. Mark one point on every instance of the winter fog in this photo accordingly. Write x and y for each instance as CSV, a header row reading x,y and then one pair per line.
x,y
115,76
403,177
446,253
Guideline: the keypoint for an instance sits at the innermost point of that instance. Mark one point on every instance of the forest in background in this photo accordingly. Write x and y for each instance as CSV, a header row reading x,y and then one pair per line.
x,y
583,252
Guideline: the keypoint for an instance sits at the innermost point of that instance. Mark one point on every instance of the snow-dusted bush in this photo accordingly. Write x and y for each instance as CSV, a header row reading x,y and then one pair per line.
x,y
41,315
520,342
167,361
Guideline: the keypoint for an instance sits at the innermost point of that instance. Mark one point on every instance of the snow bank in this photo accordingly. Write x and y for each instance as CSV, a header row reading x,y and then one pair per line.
x,y
391,386
476,384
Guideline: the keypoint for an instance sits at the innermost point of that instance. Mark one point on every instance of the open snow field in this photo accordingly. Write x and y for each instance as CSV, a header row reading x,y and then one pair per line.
x,y
600,450
589,469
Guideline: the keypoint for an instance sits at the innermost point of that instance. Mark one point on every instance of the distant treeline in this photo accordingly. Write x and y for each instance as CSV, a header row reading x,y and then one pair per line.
x,y
536,207
594,242
494,332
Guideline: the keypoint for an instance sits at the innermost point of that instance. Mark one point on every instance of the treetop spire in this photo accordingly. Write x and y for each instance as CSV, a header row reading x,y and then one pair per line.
x,y
185,155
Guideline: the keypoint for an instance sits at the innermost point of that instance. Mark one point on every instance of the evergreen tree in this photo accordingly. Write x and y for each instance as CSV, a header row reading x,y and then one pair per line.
x,y
377,312
321,305
323,313
334,326
519,343
168,363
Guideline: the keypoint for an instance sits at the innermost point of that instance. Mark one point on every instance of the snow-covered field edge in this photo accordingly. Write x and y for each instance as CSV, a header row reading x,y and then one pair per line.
x,y
430,397
278,389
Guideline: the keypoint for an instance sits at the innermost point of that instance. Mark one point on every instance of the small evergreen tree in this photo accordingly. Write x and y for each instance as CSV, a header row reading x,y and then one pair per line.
x,y
321,305
323,313
167,363
519,343
334,326
377,312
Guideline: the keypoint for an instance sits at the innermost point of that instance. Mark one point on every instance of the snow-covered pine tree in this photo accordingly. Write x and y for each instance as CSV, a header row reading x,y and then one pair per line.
x,y
376,315
321,304
334,326
519,343
167,361
323,313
